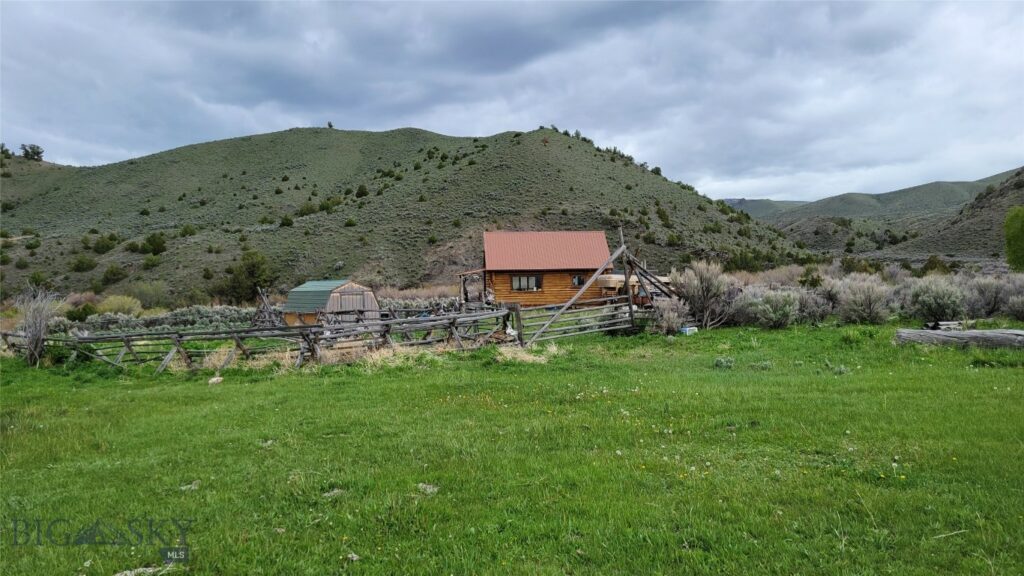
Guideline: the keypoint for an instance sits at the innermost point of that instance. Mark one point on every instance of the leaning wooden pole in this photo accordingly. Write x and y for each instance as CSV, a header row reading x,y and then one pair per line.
x,y
628,271
573,300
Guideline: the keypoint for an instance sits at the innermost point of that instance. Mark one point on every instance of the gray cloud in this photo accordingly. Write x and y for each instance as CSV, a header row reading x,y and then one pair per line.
x,y
791,100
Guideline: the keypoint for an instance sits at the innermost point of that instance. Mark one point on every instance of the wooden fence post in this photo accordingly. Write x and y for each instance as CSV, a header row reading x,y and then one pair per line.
x,y
517,321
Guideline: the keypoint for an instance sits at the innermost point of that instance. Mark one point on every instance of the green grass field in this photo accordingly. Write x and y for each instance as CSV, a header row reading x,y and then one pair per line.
x,y
820,451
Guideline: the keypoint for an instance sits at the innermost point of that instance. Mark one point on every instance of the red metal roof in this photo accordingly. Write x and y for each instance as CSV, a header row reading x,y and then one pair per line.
x,y
565,250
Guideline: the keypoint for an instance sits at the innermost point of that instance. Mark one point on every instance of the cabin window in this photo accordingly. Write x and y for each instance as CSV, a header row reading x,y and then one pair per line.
x,y
578,280
525,283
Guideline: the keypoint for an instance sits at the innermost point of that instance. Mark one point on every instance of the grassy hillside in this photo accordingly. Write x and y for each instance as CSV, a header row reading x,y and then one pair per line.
x,y
763,209
927,199
400,207
977,229
820,451
883,223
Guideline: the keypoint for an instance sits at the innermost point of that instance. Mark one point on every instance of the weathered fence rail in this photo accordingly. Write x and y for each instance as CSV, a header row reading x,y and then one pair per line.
x,y
306,342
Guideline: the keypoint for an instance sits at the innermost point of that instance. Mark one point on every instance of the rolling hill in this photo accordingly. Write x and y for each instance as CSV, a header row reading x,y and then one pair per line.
x,y
763,209
882,225
976,231
403,207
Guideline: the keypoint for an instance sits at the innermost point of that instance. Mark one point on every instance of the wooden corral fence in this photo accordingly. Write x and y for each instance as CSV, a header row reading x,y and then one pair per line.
x,y
307,343
465,330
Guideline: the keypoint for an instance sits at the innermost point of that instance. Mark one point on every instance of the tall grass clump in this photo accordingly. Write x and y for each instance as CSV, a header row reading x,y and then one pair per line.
x,y
863,299
934,298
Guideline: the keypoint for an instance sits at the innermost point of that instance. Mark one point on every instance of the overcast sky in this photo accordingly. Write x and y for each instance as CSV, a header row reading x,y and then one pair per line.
x,y
785,101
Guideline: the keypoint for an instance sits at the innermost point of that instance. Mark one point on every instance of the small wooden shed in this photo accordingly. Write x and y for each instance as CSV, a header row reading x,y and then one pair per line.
x,y
339,300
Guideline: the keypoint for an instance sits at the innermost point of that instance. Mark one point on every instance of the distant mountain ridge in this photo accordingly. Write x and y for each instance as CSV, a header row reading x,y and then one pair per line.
x,y
884,225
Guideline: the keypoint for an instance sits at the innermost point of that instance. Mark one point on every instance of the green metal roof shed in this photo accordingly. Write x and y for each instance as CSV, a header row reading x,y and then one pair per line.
x,y
342,300
312,296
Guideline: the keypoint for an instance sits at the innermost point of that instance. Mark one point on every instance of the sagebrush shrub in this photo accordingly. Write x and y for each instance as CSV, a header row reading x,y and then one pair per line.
x,y
709,293
934,298
813,308
1015,307
120,305
863,300
830,291
671,314
744,309
985,296
777,309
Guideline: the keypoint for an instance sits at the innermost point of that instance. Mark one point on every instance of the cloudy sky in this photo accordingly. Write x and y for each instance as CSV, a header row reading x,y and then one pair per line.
x,y
785,101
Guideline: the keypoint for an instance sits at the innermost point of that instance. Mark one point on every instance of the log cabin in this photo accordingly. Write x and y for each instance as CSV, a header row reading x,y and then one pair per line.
x,y
543,268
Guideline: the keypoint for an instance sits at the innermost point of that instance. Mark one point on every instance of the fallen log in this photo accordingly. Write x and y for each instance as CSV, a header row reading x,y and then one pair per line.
x,y
984,338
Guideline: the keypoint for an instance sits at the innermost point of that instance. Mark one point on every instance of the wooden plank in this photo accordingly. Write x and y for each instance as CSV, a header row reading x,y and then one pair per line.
x,y
128,346
184,353
231,356
167,360
622,326
983,338
241,347
454,330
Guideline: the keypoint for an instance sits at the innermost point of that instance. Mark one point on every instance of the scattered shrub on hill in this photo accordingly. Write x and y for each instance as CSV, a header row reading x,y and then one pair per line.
x,y
934,265
151,261
1014,228
21,264
286,221
671,314
5,259
863,300
777,309
32,152
113,274
350,223
306,209
244,278
33,243
104,244
154,244
80,313
934,298
709,293
82,263
187,230
810,277
144,212
362,192
118,304
985,296
155,294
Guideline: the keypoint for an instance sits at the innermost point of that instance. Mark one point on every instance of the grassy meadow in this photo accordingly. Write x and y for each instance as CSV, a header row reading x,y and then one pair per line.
x,y
735,451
